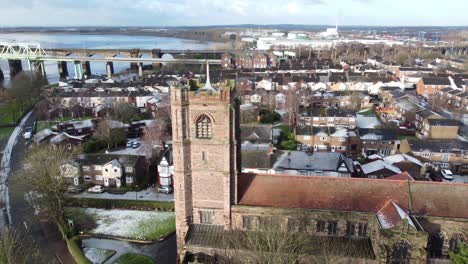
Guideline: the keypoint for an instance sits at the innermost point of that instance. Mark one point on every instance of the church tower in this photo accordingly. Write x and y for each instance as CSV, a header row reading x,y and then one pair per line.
x,y
204,151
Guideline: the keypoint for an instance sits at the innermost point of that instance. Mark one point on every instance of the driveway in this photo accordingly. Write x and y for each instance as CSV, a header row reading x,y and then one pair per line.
x,y
149,194
163,252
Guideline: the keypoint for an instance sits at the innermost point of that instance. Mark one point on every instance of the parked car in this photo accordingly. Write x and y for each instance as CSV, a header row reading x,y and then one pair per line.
x,y
27,133
136,145
129,144
165,189
96,189
447,174
75,189
436,178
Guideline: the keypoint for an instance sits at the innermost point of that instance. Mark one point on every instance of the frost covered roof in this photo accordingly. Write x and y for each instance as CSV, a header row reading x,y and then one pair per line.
x,y
391,215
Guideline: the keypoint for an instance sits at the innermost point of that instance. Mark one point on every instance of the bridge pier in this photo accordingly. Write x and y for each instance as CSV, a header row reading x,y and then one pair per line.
x,y
78,70
140,69
2,77
15,67
109,69
86,69
156,53
134,53
62,69
39,68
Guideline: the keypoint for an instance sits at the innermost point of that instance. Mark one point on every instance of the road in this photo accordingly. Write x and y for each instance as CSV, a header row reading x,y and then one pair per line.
x,y
163,252
45,235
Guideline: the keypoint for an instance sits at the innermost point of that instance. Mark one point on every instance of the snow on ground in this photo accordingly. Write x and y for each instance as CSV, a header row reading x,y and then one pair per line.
x,y
127,223
98,255
368,121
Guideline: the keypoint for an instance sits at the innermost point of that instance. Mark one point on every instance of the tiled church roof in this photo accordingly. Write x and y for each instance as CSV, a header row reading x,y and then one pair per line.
x,y
352,194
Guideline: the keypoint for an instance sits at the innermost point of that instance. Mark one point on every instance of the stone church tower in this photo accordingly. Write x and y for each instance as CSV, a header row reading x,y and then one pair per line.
x,y
205,151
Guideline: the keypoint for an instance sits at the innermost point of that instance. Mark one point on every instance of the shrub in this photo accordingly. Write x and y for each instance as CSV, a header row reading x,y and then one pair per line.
x,y
121,204
74,246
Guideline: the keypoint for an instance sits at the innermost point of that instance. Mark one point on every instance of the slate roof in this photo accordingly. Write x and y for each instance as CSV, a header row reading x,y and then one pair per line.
x,y
353,194
378,165
318,161
434,145
425,113
377,134
259,159
256,133
101,159
444,122
436,81
214,236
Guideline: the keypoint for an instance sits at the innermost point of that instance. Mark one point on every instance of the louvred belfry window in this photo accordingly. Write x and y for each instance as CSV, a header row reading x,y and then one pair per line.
x,y
204,127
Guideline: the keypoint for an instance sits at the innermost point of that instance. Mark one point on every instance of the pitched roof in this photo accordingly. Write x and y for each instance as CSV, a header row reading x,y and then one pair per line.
x,y
444,122
391,215
377,134
436,81
438,145
353,194
256,133
377,166
318,161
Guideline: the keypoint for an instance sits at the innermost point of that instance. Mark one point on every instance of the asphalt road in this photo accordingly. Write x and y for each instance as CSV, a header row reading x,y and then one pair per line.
x,y
45,235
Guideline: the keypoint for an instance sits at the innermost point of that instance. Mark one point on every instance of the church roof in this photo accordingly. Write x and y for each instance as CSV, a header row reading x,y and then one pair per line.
x,y
353,194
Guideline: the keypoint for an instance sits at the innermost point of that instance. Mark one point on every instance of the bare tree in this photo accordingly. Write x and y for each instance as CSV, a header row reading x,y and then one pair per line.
x,y
111,136
124,112
44,174
16,248
272,245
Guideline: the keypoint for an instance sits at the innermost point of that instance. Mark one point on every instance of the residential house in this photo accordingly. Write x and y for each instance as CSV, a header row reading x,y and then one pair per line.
x,y
256,137
422,116
443,154
406,111
383,142
76,128
378,169
429,86
407,164
327,117
404,72
67,141
323,139
439,129
112,170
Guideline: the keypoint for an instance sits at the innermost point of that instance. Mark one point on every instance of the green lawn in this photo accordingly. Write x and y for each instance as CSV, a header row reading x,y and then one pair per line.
x,y
131,258
9,113
366,112
5,133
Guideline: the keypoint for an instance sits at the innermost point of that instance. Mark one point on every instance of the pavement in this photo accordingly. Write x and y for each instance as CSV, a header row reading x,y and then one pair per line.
x,y
162,252
149,194
5,163
23,214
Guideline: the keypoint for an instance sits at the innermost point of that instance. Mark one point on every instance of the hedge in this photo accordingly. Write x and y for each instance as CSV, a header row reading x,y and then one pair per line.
x,y
74,247
120,204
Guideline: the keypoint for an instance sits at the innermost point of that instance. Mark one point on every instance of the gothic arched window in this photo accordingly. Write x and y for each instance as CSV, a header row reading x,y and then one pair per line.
x,y
401,253
204,127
